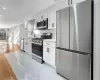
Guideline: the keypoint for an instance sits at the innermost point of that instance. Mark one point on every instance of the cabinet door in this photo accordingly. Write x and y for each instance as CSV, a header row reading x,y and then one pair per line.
x,y
76,1
46,54
25,45
29,46
52,17
30,30
52,56
62,4
44,14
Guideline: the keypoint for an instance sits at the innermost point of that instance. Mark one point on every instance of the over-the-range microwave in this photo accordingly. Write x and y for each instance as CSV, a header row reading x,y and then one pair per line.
x,y
43,24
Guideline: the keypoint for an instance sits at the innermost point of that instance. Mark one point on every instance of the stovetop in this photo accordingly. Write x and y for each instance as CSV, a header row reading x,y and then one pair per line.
x,y
38,40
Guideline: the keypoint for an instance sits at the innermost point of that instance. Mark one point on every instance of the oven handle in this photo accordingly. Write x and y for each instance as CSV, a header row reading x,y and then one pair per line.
x,y
37,44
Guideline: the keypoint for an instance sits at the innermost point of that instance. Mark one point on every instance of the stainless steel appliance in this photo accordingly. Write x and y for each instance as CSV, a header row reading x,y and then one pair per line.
x,y
73,52
43,24
37,46
46,35
37,49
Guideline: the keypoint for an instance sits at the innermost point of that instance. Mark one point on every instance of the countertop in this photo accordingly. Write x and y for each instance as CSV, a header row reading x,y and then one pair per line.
x,y
51,40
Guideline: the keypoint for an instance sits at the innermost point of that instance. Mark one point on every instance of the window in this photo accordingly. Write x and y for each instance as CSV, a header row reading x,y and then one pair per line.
x,y
2,34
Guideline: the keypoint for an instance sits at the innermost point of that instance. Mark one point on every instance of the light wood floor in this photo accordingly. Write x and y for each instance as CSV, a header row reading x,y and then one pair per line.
x,y
6,72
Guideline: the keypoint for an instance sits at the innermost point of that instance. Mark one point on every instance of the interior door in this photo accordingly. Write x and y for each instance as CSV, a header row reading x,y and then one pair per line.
x,y
64,63
63,28
80,27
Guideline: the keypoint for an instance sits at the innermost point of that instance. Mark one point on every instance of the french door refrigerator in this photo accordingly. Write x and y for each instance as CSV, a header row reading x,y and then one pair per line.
x,y
73,51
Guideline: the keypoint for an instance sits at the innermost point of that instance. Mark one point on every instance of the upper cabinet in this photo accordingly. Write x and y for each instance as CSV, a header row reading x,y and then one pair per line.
x,y
41,15
52,17
75,1
25,25
30,27
62,4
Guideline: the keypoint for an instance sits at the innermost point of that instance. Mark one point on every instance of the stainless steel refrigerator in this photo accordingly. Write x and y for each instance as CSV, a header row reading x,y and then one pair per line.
x,y
73,51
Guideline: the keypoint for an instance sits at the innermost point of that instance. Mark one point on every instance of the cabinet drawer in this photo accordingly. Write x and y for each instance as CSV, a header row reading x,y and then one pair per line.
x,y
52,44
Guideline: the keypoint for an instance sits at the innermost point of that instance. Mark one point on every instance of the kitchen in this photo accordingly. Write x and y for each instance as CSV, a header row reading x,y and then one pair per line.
x,y
46,41
59,35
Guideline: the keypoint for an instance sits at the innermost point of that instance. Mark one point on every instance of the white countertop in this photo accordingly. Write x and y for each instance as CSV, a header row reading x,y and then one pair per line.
x,y
51,40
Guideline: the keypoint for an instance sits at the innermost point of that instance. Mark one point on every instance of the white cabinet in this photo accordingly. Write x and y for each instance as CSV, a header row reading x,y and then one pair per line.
x,y
44,14
65,3
25,25
52,56
52,17
31,27
41,15
75,1
62,4
27,45
49,53
46,54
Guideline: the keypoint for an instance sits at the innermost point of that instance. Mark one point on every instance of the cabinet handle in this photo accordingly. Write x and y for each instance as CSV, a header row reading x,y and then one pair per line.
x,y
42,17
71,1
47,49
52,24
48,44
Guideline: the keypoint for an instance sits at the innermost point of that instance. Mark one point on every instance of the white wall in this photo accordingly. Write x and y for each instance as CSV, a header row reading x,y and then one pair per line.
x,y
23,33
97,40
14,35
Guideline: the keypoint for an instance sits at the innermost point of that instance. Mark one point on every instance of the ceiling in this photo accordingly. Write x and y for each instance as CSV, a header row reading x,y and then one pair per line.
x,y
17,11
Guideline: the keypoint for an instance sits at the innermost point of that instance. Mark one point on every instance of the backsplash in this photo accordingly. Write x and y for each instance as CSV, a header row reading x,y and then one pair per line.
x,y
39,32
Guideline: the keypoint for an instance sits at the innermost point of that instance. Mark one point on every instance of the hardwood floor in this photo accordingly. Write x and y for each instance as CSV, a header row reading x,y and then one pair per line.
x,y
6,72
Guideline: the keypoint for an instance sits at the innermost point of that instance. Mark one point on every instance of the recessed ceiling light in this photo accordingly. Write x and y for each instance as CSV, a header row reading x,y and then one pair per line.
x,y
3,8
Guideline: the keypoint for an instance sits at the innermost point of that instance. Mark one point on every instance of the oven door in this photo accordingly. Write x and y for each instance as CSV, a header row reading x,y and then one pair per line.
x,y
37,49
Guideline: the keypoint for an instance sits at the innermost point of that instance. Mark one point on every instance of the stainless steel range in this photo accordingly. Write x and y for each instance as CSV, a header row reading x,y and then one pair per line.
x,y
37,49
37,46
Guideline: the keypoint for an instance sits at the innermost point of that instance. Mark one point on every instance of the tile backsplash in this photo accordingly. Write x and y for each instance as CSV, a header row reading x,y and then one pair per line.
x,y
39,32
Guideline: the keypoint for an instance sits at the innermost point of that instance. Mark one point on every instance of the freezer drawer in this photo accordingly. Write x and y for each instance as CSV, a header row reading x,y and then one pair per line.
x,y
64,63
80,69
73,66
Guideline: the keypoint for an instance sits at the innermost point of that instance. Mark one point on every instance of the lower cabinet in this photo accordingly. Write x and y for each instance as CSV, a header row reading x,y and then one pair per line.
x,y
27,45
46,54
49,55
